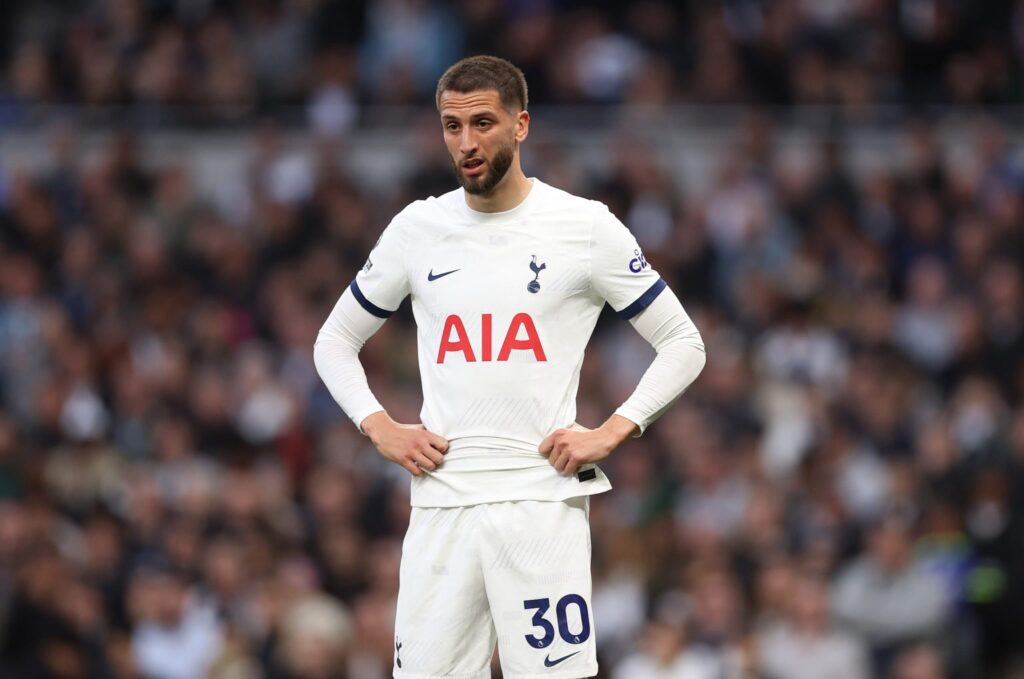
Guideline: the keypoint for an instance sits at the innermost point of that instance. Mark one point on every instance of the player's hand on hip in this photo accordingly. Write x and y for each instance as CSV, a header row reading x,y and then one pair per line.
x,y
574,446
408,445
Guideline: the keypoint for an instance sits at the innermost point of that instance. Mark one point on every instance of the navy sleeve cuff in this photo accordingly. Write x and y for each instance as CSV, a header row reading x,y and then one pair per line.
x,y
367,304
644,300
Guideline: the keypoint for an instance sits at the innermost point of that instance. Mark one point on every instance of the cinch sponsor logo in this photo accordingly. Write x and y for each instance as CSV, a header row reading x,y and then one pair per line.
x,y
455,339
638,263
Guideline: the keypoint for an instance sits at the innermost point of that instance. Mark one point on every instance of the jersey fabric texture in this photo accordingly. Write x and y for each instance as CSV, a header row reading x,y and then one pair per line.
x,y
505,304
515,573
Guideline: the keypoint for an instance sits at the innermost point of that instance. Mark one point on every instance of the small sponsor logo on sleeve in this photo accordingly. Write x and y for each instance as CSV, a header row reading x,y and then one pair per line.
x,y
638,263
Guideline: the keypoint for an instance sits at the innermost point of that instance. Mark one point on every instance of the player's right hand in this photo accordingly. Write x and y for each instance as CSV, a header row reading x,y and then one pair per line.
x,y
408,445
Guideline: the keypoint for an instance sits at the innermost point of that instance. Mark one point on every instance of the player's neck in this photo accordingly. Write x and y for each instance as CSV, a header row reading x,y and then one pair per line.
x,y
510,192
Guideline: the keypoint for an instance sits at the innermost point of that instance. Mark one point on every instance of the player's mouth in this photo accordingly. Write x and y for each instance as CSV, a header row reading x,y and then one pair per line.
x,y
473,167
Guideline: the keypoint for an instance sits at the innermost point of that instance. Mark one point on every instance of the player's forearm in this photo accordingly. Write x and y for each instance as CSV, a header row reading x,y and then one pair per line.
x,y
671,372
343,374
374,423
679,361
336,357
617,429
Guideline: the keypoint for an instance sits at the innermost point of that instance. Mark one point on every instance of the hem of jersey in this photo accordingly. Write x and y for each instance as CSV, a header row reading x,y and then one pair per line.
x,y
644,300
481,674
526,497
575,673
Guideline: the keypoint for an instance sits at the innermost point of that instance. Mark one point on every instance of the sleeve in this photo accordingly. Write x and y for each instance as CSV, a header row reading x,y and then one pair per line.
x,y
336,356
383,282
680,358
619,273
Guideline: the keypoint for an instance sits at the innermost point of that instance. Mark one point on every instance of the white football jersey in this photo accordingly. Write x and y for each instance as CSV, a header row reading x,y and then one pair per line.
x,y
505,304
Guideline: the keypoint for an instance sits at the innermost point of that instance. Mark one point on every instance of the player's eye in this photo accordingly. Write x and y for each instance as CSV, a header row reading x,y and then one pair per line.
x,y
452,127
483,124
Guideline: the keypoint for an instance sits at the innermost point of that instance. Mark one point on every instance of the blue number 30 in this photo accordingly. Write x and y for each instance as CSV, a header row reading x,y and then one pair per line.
x,y
541,606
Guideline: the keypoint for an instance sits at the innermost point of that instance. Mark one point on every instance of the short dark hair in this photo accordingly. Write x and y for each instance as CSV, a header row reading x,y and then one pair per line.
x,y
485,73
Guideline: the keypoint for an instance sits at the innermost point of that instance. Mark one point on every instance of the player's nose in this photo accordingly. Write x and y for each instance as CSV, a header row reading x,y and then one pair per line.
x,y
467,142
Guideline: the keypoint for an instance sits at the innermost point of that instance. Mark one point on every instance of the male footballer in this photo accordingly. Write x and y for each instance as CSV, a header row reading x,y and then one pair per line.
x,y
507,276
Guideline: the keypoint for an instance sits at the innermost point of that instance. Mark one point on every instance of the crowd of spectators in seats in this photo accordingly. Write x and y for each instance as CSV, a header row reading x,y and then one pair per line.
x,y
221,61
840,494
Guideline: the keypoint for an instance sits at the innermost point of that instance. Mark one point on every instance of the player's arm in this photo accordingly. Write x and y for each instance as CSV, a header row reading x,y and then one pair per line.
x,y
362,309
336,356
680,358
622,276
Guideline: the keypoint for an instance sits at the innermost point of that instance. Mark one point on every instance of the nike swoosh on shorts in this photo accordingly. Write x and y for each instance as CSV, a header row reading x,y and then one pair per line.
x,y
548,662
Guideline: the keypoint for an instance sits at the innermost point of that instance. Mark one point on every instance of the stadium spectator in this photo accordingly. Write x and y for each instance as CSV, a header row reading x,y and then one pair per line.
x,y
888,596
806,644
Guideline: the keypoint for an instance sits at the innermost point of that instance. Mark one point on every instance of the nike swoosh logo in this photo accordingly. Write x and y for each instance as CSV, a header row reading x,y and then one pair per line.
x,y
433,277
548,662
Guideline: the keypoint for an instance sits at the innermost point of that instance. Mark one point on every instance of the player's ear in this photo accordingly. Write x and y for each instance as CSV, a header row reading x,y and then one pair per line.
x,y
522,125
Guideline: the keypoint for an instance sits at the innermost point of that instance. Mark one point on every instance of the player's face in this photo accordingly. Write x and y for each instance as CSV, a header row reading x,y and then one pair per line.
x,y
482,137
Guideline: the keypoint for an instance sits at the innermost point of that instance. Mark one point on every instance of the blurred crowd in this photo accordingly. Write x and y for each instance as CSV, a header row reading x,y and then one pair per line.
x,y
839,495
220,61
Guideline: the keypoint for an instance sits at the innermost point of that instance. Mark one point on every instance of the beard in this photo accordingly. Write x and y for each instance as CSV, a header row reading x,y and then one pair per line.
x,y
497,168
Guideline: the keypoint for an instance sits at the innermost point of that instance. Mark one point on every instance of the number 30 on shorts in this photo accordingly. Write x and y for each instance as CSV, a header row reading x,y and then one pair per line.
x,y
541,606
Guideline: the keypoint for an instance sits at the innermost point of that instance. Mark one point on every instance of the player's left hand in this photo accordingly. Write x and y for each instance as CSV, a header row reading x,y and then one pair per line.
x,y
572,447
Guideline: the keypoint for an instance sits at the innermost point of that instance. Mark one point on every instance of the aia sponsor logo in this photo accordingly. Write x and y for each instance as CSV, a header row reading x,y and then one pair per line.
x,y
521,335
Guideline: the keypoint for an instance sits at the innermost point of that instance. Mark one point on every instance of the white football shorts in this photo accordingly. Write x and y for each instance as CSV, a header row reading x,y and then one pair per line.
x,y
515,573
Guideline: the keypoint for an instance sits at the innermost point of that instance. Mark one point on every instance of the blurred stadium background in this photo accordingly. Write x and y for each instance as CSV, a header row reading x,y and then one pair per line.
x,y
834,188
